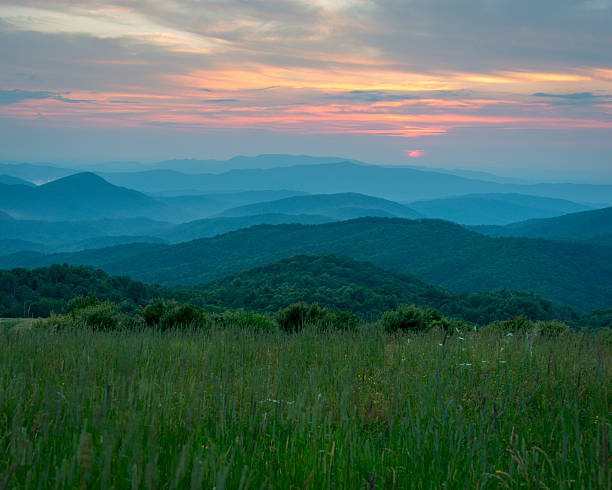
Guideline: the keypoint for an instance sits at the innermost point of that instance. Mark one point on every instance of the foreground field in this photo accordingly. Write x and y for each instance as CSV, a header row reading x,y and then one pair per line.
x,y
239,409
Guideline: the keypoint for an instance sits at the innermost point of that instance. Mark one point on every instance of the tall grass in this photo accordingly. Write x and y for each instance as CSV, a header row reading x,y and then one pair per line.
x,y
238,409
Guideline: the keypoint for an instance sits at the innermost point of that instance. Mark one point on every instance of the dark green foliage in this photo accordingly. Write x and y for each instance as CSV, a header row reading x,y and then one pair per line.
x,y
552,328
60,288
187,315
82,302
154,311
411,319
342,283
335,283
102,316
169,314
298,315
245,319
512,325
597,319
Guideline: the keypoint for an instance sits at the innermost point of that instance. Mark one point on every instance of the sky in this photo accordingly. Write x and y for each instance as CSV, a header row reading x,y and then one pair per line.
x,y
517,87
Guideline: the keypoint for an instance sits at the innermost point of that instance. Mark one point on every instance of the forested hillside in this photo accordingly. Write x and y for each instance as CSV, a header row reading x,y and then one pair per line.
x,y
361,287
437,251
338,283
33,293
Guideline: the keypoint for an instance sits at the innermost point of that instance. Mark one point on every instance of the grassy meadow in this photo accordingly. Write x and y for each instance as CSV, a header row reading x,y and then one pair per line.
x,y
233,408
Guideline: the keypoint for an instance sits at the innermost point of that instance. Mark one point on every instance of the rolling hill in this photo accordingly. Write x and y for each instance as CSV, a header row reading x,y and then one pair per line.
x,y
439,252
585,226
495,209
361,287
338,206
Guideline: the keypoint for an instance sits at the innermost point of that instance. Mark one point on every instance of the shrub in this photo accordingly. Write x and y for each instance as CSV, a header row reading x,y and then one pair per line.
x,y
604,336
412,318
246,319
342,320
513,325
551,328
102,316
155,310
186,315
54,321
81,302
295,316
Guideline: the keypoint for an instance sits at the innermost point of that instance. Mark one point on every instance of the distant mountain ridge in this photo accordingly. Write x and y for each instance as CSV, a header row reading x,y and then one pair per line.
x,y
340,206
78,196
315,175
402,184
495,209
437,251
585,225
